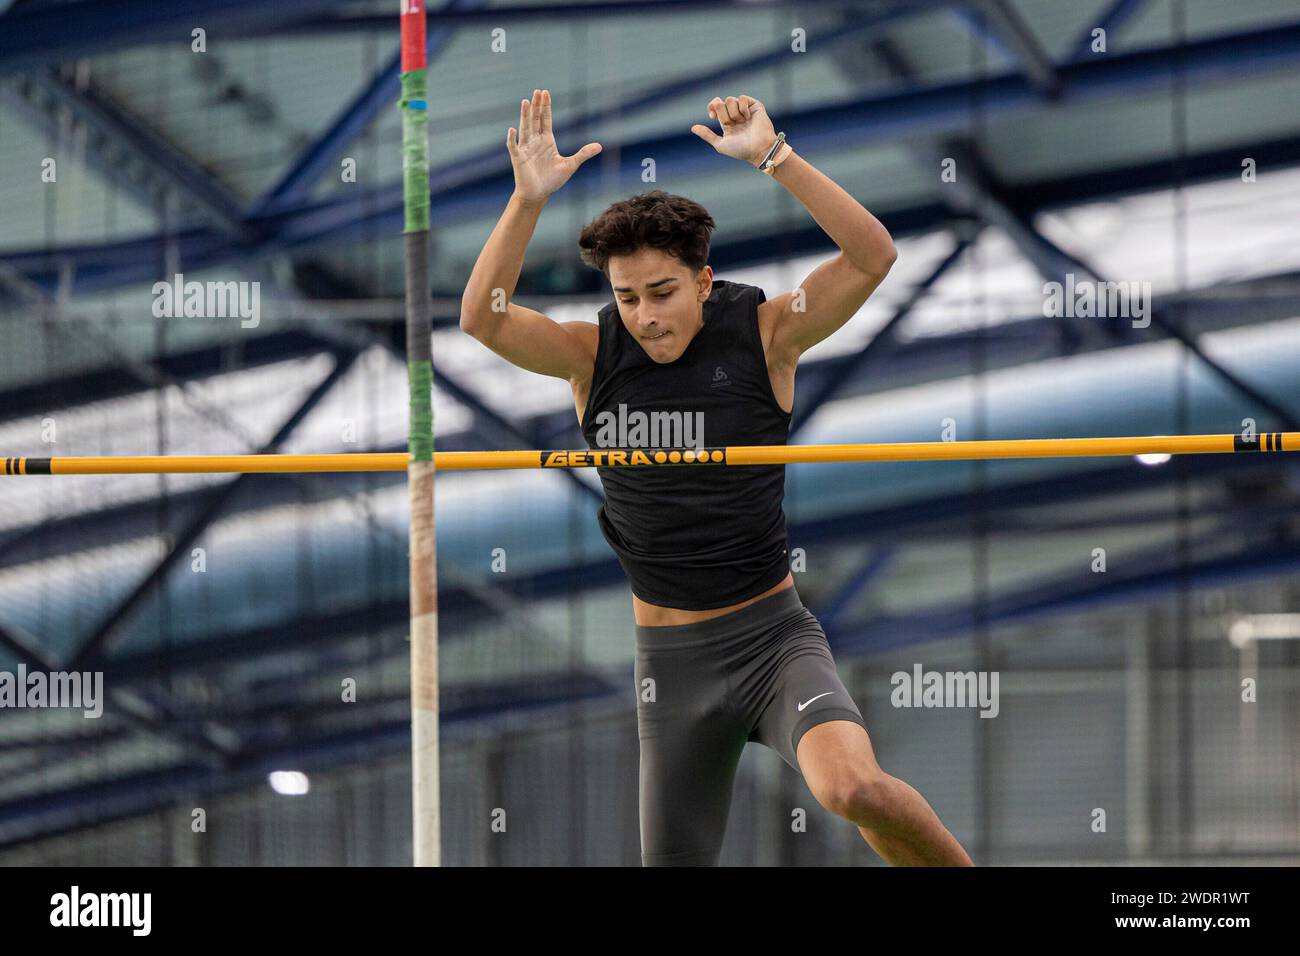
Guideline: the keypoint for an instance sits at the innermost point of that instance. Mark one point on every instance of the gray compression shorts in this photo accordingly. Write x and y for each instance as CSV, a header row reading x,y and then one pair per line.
x,y
763,673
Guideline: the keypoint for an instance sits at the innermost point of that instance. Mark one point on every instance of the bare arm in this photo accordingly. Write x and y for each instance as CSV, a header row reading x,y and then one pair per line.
x,y
835,290
522,336
519,335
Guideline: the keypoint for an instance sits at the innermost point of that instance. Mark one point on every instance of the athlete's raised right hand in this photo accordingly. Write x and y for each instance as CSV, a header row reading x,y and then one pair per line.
x,y
539,168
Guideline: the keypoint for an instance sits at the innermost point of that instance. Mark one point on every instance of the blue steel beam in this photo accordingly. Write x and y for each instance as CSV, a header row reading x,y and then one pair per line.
x,y
831,384
977,190
110,383
272,726
494,422
215,500
1112,21
1035,195
154,712
1284,415
833,608
26,648
28,102
1000,25
379,94
64,745
109,265
1055,258
479,186
116,258
168,166
1162,319
344,23
1065,594
981,195
73,31
266,721
143,712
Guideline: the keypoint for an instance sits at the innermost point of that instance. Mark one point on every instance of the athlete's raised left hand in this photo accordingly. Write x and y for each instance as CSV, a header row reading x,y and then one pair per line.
x,y
747,132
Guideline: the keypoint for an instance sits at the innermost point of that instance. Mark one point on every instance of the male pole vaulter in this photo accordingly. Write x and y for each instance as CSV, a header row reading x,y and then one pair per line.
x,y
726,652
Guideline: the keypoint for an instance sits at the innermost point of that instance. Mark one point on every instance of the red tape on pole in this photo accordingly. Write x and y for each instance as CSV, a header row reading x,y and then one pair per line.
x,y
415,49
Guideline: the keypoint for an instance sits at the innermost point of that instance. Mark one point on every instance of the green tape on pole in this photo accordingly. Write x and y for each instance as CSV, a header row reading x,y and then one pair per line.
x,y
420,439
415,150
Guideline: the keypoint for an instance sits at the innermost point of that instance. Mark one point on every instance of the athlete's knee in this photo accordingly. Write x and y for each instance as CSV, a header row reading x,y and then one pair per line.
x,y
860,796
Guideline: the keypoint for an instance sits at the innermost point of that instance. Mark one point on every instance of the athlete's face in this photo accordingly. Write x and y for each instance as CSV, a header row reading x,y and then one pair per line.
x,y
661,300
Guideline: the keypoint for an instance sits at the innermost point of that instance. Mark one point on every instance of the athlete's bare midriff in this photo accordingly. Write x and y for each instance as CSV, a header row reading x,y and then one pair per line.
x,y
652,615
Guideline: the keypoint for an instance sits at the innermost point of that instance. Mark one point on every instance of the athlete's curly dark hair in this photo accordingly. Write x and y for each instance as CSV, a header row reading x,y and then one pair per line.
x,y
674,224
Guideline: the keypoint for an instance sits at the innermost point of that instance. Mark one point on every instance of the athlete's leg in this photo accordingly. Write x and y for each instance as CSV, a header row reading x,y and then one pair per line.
x,y
690,747
837,761
686,782
809,718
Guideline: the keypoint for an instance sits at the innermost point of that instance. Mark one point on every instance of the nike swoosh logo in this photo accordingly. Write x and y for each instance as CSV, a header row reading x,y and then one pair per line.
x,y
818,697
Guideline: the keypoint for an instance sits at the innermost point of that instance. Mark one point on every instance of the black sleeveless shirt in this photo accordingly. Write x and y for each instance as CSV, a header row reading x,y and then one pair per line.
x,y
694,537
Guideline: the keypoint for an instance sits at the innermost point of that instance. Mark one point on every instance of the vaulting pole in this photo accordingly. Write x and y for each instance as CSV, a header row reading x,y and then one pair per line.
x,y
421,465
639,458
